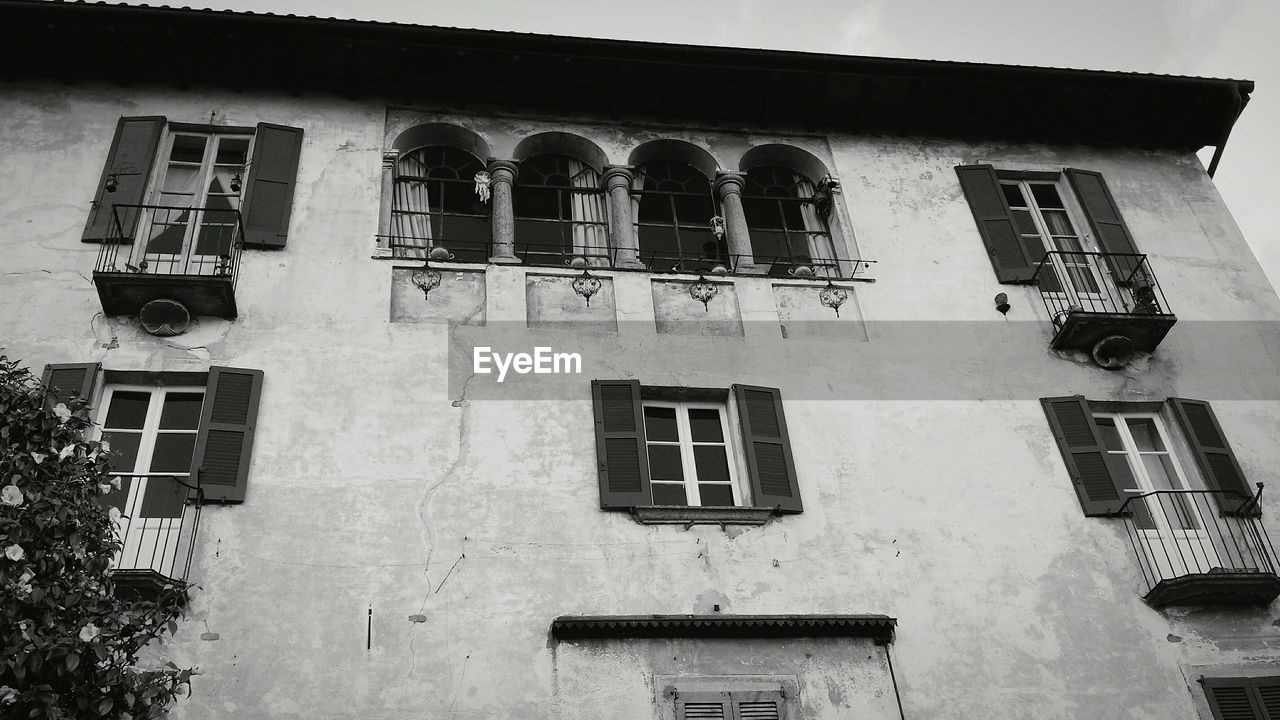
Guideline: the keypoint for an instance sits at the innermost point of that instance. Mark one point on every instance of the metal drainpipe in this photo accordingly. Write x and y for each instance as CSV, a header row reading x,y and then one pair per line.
x,y
1242,100
896,695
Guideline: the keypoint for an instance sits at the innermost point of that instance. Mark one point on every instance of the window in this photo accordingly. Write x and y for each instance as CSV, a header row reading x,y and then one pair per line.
x,y
673,219
559,212
676,447
737,705
1256,698
1021,215
786,228
435,203
688,448
1149,467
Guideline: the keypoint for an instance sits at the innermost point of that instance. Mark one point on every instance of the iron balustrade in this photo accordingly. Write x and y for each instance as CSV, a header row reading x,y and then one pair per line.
x,y
1101,283
1177,534
158,535
173,240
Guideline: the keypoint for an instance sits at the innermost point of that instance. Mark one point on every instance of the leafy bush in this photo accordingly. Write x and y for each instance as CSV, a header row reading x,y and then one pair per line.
x,y
69,645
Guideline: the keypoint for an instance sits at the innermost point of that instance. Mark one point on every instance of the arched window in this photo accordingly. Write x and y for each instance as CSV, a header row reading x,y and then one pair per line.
x,y
673,220
559,212
436,204
786,229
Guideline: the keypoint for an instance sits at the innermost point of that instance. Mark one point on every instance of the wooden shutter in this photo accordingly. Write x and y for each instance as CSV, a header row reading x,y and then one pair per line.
x,y
704,706
1088,462
1012,262
1213,453
1267,693
133,153
1236,699
770,462
225,439
620,447
1109,230
757,705
66,380
273,172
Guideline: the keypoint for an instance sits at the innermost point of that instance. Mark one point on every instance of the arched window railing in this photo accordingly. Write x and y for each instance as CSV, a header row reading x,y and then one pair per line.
x,y
436,204
673,218
786,228
560,212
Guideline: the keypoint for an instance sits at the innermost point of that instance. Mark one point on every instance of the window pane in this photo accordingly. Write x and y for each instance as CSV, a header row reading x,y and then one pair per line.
x,y
1145,435
1046,196
1160,470
181,411
1110,435
694,209
658,240
1026,225
660,424
762,213
655,208
124,449
128,410
704,425
769,246
536,202
173,452
188,148
711,463
1013,195
1058,222
1177,510
232,151
181,179
664,463
163,498
117,498
716,494
666,494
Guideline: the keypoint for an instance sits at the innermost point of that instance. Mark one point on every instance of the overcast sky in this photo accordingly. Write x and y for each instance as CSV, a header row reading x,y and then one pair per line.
x,y
1217,38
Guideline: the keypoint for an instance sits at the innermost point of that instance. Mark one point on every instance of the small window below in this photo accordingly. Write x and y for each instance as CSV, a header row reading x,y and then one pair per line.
x,y
689,454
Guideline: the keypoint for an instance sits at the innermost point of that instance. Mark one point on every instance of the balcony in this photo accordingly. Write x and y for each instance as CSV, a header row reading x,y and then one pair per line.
x,y
187,255
1106,304
158,533
1201,547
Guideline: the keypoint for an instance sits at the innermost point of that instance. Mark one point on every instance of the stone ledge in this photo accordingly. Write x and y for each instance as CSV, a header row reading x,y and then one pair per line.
x,y
698,515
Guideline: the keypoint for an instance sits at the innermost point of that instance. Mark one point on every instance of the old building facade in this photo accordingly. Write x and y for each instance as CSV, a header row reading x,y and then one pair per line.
x,y
855,388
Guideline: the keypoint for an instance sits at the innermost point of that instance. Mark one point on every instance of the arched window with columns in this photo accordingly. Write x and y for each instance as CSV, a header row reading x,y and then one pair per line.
x,y
435,203
675,205
786,226
560,212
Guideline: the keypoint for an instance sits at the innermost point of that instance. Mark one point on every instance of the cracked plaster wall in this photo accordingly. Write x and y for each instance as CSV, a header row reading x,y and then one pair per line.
x,y
932,487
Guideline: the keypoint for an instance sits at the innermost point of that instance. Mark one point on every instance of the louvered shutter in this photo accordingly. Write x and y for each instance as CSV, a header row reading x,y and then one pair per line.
x,y
132,154
273,173
225,439
1233,699
1213,453
704,706
1267,695
1108,226
620,447
66,380
770,463
757,705
1012,262
1085,454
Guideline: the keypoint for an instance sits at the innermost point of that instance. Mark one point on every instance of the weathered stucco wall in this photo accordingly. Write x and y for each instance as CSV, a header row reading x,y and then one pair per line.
x,y
384,482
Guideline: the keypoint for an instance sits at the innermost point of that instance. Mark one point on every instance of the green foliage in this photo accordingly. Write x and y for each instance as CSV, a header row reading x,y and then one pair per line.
x,y
68,645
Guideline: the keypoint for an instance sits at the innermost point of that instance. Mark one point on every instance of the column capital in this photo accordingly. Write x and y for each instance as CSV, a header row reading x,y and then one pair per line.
x,y
390,158
729,182
617,176
502,170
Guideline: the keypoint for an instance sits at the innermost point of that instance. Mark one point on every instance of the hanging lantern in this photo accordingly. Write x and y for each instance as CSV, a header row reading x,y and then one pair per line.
x,y
586,285
426,279
703,291
833,297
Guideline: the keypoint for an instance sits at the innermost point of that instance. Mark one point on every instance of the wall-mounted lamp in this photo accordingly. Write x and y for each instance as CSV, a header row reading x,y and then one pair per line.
x,y
427,278
113,178
1002,303
703,291
586,285
113,181
833,297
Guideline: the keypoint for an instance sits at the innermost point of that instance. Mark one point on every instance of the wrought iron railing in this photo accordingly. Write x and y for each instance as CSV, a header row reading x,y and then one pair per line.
x,y
595,256
159,533
173,240
1180,533
1103,283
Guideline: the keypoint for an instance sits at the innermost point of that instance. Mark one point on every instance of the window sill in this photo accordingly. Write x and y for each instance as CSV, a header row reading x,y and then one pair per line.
x,y
696,515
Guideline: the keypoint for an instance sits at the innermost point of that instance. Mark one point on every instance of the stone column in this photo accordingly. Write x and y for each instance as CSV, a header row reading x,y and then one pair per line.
x,y
729,189
389,160
617,180
502,175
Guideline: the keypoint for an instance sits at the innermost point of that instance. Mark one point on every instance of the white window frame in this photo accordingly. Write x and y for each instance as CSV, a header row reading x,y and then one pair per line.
x,y
1079,223
150,430
1138,468
688,465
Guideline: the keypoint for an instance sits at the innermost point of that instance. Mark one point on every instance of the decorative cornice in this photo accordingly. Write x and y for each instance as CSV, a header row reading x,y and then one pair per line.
x,y
877,627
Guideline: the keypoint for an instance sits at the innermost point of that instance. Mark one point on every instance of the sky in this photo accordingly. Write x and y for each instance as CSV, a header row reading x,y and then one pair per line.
x,y
1212,38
